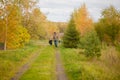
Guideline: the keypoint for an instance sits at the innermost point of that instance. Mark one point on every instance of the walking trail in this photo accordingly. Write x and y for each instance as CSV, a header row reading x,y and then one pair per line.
x,y
60,73
59,68
26,66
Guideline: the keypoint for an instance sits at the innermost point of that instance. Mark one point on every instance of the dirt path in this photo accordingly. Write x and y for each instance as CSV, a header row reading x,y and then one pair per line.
x,y
26,66
60,73
59,68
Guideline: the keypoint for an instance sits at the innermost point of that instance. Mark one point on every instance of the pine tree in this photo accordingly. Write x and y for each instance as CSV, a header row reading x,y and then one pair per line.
x,y
91,44
71,36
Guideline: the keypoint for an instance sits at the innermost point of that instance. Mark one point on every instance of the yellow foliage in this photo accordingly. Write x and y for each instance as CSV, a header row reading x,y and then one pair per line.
x,y
82,20
51,28
17,35
2,31
17,38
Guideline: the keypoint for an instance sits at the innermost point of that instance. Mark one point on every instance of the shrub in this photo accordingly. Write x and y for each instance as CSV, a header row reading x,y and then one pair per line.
x,y
91,44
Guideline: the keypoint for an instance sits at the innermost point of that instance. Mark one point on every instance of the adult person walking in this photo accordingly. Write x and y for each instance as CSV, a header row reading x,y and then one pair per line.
x,y
55,38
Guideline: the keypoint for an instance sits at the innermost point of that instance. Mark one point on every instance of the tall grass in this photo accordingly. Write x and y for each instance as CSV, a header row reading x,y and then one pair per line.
x,y
111,59
118,47
78,67
12,60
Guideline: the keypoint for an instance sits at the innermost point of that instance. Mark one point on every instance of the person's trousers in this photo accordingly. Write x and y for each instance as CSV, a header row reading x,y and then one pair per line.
x,y
56,43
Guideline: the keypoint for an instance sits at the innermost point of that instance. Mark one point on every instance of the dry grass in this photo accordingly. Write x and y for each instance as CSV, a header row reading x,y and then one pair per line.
x,y
79,67
110,58
109,62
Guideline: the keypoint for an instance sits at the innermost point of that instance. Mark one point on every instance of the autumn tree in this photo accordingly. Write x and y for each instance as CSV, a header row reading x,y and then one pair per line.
x,y
4,14
82,20
51,27
15,35
32,18
1,34
62,26
35,24
108,27
71,36
38,26
18,19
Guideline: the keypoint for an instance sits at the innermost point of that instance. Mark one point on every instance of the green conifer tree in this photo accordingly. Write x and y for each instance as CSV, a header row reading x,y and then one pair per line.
x,y
71,37
91,44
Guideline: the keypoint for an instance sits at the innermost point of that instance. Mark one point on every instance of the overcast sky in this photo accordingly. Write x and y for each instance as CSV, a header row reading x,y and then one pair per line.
x,y
60,10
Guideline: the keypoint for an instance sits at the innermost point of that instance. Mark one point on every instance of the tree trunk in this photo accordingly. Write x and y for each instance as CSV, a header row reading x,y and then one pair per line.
x,y
5,41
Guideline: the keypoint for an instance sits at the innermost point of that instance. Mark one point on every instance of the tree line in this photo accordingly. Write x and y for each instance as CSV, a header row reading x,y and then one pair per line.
x,y
22,20
82,32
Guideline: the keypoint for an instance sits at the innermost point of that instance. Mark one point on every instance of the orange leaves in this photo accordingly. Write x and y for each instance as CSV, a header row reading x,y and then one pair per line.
x,y
82,20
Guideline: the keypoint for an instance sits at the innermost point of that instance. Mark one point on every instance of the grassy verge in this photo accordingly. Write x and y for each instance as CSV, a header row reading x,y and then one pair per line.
x,y
78,67
118,47
12,60
43,68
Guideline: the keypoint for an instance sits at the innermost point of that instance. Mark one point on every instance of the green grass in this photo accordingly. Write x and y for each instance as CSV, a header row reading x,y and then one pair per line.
x,y
12,60
44,67
78,67
118,47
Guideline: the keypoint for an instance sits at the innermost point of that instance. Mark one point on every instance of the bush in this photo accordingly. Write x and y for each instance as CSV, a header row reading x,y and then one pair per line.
x,y
91,44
